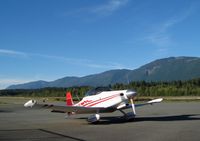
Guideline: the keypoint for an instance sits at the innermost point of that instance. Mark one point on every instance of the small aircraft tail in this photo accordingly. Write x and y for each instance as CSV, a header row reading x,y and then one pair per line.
x,y
69,100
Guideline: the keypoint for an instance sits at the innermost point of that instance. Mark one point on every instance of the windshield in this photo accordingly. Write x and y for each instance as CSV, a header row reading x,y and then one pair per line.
x,y
97,91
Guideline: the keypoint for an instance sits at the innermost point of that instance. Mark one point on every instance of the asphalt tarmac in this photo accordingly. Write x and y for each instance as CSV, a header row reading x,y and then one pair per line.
x,y
167,121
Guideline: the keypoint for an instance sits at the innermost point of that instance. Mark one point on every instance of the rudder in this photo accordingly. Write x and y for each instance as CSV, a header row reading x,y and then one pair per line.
x,y
69,100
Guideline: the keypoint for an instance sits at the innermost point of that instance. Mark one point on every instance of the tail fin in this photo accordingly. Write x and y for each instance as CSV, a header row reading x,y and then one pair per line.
x,y
69,101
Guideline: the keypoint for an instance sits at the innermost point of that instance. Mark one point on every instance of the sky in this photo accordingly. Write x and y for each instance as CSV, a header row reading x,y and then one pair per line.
x,y
51,39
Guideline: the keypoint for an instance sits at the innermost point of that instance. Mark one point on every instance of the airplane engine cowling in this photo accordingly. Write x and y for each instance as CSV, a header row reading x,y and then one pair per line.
x,y
93,118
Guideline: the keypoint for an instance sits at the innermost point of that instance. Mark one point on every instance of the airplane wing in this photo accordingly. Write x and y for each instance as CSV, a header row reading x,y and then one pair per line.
x,y
66,109
80,110
150,102
143,104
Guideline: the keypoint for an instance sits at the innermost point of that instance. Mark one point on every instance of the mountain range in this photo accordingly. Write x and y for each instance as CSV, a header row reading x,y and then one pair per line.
x,y
167,69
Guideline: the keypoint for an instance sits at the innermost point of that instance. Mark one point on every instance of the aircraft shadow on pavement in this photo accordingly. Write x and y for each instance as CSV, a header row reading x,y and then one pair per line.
x,y
120,120
6,111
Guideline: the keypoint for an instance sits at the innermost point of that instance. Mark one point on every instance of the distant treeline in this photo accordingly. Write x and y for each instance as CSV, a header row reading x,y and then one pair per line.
x,y
173,88
45,92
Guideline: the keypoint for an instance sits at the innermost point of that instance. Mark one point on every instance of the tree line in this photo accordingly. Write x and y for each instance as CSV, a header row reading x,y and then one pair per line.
x,y
143,88
173,88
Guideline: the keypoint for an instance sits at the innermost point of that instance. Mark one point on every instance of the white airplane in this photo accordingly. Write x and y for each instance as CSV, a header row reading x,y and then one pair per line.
x,y
96,101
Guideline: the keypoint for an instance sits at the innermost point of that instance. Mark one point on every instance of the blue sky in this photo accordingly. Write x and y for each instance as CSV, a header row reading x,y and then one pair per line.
x,y
51,39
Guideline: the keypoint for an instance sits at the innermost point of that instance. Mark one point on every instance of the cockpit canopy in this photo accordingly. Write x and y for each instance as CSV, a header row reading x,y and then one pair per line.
x,y
97,90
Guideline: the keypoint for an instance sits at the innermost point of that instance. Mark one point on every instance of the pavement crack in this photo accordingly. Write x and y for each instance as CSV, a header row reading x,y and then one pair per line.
x,y
66,136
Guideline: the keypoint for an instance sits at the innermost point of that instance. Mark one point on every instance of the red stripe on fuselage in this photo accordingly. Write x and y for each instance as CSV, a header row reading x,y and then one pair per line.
x,y
102,100
91,102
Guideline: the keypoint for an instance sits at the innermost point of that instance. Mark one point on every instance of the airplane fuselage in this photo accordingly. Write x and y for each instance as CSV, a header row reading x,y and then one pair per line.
x,y
105,99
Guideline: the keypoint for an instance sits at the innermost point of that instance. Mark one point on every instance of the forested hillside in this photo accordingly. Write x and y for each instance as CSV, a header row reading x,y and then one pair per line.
x,y
174,88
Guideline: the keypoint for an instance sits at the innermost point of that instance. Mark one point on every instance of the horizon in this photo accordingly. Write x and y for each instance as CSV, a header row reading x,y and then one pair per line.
x,y
48,40
176,57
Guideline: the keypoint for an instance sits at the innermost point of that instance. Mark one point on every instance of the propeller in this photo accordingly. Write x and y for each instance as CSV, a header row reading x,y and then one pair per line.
x,y
133,106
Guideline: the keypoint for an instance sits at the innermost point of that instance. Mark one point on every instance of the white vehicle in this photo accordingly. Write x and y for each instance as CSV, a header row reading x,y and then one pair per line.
x,y
96,101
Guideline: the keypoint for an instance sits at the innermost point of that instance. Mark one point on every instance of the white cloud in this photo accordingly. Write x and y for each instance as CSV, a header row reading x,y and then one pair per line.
x,y
14,81
72,61
93,13
84,62
110,65
12,52
110,7
160,35
7,82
